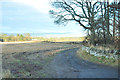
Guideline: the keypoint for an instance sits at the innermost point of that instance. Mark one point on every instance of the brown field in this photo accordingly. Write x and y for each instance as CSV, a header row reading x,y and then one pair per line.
x,y
19,59
31,47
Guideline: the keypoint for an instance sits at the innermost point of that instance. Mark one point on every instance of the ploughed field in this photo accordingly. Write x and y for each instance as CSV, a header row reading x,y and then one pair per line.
x,y
49,60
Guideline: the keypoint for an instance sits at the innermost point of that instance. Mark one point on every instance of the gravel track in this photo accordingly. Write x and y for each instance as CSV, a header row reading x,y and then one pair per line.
x,y
66,65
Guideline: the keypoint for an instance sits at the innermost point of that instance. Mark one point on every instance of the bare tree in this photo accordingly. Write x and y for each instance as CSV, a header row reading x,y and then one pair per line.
x,y
95,17
84,13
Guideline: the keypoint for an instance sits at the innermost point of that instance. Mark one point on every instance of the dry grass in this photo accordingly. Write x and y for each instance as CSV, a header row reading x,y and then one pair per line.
x,y
7,74
40,60
103,47
30,47
61,39
53,52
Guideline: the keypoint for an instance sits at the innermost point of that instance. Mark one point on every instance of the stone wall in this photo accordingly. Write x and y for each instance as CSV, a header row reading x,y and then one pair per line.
x,y
98,52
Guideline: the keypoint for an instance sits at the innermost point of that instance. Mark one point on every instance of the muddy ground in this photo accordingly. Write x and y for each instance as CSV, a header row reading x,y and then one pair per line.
x,y
51,60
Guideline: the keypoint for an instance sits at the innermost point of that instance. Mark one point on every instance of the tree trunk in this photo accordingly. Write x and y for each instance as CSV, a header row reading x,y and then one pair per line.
x,y
108,28
93,37
114,25
119,29
103,26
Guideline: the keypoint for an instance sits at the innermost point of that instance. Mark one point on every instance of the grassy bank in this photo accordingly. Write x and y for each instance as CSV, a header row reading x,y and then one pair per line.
x,y
95,59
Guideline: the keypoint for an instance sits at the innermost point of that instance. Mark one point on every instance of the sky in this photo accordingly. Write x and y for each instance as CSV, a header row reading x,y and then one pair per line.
x,y
31,16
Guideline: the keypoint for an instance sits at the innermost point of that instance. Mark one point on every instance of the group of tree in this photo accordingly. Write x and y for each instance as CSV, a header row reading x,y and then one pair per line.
x,y
101,21
17,37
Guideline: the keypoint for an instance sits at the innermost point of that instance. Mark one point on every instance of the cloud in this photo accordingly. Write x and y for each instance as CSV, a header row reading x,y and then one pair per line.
x,y
42,6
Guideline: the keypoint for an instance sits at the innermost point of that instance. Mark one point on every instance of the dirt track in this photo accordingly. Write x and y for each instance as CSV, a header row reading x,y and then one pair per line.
x,y
66,65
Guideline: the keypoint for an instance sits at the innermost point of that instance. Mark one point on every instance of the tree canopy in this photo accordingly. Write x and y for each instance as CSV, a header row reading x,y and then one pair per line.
x,y
97,17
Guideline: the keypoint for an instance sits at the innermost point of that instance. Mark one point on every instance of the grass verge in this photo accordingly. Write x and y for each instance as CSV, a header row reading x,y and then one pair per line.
x,y
95,59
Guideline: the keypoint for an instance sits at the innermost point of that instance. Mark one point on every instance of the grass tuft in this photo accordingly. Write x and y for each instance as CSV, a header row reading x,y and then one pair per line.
x,y
7,74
